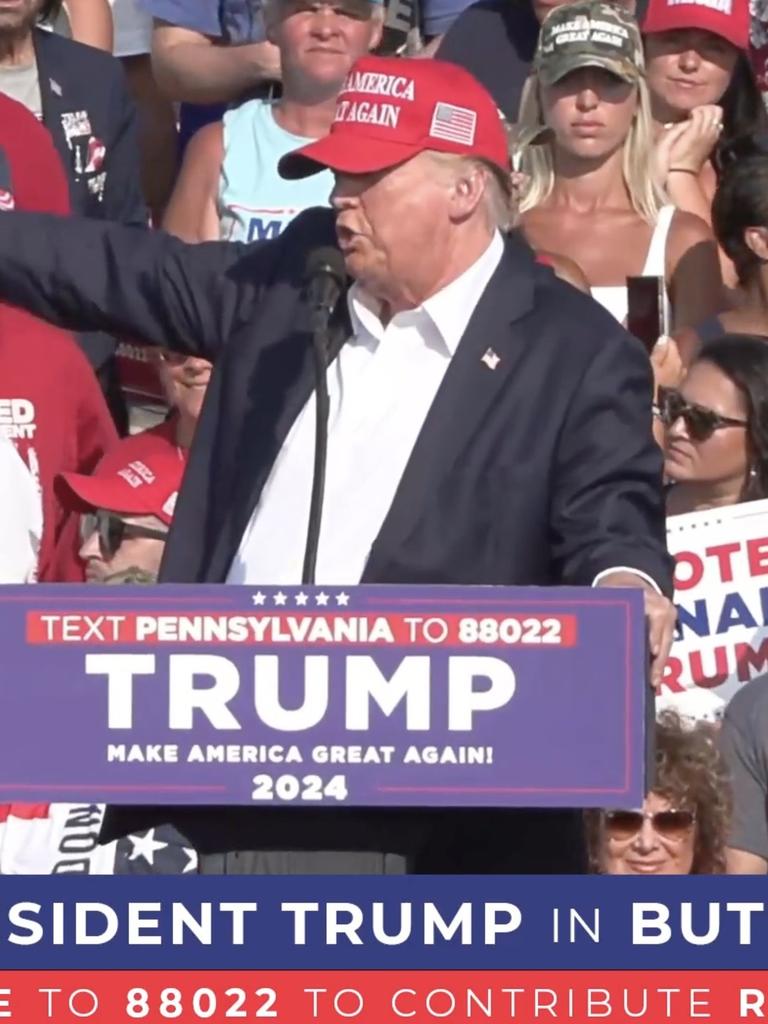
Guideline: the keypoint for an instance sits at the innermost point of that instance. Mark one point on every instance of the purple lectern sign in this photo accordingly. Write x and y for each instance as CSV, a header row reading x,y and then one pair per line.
x,y
374,695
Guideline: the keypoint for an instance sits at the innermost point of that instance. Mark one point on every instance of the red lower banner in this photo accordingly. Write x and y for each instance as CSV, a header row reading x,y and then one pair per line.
x,y
383,997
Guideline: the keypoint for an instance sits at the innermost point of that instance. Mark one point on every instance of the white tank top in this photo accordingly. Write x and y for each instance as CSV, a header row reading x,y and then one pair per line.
x,y
614,297
254,202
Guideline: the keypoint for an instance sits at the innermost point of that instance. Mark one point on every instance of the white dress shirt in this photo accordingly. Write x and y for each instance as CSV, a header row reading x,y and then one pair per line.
x,y
380,388
21,517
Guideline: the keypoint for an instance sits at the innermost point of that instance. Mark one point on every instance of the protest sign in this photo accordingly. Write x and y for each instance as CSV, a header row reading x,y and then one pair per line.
x,y
721,593
396,696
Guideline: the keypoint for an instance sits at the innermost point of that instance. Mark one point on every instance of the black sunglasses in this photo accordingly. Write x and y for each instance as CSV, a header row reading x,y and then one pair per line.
x,y
672,824
113,530
700,422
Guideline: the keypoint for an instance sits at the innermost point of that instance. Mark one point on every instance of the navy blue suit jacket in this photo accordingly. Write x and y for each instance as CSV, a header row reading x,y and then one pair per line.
x,y
541,471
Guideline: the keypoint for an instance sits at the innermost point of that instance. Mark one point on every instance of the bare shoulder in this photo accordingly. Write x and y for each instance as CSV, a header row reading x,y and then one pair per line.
x,y
207,144
566,269
686,231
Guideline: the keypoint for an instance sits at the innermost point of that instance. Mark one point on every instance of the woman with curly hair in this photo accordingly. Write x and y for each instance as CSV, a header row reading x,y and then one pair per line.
x,y
681,829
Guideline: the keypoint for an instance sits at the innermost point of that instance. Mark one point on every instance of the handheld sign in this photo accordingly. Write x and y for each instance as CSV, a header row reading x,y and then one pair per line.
x,y
721,593
398,696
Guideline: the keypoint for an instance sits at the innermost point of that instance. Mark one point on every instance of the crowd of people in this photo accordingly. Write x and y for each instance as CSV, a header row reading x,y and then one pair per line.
x,y
599,141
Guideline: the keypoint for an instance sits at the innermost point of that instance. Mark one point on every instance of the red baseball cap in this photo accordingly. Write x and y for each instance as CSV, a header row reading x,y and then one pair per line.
x,y
391,108
141,476
726,18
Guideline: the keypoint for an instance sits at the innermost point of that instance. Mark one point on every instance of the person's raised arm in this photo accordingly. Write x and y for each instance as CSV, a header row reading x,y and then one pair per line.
x,y
90,22
197,68
87,275
693,271
192,213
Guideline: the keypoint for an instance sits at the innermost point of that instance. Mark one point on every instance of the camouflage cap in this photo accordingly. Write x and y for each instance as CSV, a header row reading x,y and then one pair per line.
x,y
580,35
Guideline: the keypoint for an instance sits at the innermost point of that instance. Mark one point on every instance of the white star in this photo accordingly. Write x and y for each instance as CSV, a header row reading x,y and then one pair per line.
x,y
259,598
145,846
321,598
342,598
280,597
191,864
301,598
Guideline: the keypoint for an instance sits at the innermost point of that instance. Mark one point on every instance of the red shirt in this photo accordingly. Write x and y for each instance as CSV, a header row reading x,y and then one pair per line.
x,y
52,407
51,404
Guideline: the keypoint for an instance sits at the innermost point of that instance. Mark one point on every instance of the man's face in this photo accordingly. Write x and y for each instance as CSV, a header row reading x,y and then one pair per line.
x,y
114,543
18,16
387,223
184,380
319,42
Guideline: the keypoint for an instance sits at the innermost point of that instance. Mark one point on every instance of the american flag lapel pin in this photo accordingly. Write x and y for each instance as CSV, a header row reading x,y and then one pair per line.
x,y
55,87
491,359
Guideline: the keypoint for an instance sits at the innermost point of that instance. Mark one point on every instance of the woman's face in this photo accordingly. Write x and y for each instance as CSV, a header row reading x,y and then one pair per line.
x,y
663,845
590,111
722,459
687,68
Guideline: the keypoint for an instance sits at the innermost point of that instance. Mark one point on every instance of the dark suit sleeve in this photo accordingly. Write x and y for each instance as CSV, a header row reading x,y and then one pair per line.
x,y
608,504
123,196
88,275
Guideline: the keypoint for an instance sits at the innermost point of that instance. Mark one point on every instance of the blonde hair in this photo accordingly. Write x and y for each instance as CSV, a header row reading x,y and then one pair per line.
x,y
646,196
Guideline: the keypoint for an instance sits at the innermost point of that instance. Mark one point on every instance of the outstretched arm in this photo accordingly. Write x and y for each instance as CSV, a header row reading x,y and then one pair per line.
x,y
88,275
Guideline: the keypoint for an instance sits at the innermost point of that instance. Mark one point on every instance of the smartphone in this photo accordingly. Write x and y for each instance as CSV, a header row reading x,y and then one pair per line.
x,y
647,309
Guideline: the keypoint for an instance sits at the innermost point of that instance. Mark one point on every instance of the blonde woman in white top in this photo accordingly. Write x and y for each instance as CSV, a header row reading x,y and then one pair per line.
x,y
591,194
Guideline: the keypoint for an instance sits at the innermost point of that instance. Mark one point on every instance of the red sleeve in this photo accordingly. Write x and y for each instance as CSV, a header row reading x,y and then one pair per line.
x,y
94,433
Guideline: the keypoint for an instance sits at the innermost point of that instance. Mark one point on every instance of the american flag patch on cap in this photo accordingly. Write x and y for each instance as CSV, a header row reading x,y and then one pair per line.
x,y
454,124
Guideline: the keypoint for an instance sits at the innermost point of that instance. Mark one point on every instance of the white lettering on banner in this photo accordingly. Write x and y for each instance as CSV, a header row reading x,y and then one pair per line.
x,y
721,594
385,115
271,629
398,86
17,418
409,685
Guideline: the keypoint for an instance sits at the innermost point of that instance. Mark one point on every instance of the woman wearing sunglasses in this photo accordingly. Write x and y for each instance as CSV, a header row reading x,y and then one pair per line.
x,y
716,427
681,827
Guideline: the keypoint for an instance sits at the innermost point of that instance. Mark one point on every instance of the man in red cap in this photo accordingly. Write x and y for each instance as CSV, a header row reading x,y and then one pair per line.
x,y
488,424
127,505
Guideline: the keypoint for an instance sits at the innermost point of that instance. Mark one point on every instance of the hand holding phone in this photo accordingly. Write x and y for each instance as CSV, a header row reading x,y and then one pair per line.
x,y
647,309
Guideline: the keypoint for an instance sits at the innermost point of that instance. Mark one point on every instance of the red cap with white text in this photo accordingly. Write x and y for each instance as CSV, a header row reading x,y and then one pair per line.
x,y
392,108
139,476
726,18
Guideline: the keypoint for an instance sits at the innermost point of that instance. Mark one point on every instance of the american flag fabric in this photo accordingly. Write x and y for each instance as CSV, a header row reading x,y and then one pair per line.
x,y
44,839
454,124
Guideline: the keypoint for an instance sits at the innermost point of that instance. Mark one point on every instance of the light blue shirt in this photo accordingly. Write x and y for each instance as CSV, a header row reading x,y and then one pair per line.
x,y
254,202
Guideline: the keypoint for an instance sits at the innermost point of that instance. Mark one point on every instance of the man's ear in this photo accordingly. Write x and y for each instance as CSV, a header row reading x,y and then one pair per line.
x,y
377,29
757,240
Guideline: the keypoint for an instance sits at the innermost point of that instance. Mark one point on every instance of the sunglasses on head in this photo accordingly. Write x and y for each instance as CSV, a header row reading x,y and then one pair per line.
x,y
113,530
672,824
700,422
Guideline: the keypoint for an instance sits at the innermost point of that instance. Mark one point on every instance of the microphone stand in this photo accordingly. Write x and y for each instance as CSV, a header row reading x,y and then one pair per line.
x,y
321,347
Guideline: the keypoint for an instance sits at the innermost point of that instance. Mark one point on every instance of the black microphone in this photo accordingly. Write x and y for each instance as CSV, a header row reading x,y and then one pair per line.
x,y
326,277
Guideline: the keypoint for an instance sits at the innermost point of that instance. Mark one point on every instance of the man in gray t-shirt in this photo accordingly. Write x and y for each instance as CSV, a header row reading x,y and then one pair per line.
x,y
744,743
